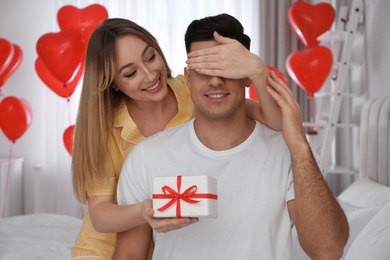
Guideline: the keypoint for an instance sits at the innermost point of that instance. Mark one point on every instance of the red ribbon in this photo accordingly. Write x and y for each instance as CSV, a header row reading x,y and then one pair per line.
x,y
188,196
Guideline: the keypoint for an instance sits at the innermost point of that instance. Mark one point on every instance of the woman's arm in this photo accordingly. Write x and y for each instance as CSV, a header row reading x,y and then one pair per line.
x,y
106,216
232,60
133,244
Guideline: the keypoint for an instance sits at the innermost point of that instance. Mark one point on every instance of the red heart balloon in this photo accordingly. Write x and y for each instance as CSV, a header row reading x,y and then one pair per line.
x,y
14,64
64,90
310,21
6,54
15,117
61,53
68,138
252,90
84,21
310,68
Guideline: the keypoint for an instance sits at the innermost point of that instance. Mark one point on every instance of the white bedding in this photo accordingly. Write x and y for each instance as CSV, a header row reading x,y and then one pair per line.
x,y
367,206
38,236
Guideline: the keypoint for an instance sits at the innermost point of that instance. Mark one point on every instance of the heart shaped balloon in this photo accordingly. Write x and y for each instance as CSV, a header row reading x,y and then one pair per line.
x,y
252,90
6,54
15,117
310,68
64,90
68,138
84,21
61,53
310,21
13,65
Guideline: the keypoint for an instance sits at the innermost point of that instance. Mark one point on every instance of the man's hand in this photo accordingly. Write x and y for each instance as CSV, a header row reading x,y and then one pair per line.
x,y
292,125
163,225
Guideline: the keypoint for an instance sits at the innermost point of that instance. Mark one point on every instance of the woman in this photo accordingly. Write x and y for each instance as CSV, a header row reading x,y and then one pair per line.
x,y
128,94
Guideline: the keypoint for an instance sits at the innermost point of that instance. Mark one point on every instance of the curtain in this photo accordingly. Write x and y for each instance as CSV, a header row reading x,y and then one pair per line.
x,y
278,41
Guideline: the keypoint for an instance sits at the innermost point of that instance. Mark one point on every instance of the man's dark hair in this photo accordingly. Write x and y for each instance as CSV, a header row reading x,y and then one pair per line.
x,y
226,25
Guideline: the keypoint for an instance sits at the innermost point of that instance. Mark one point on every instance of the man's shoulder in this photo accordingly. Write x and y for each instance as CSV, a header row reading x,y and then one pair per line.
x,y
266,130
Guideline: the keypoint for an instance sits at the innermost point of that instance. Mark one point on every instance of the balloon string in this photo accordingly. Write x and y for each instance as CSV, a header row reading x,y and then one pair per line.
x,y
6,181
312,115
67,102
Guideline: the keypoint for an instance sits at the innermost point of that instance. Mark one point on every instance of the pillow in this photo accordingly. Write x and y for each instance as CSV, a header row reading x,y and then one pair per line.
x,y
366,193
374,240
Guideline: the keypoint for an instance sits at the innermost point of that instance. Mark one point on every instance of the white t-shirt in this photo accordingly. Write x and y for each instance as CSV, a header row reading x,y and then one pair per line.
x,y
254,184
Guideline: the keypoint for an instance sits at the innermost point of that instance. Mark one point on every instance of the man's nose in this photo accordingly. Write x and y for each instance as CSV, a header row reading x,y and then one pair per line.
x,y
215,81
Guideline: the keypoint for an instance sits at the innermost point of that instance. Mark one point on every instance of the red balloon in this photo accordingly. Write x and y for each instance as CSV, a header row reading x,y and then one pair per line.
x,y
15,117
68,138
61,53
6,54
252,90
310,21
64,90
310,68
13,65
84,21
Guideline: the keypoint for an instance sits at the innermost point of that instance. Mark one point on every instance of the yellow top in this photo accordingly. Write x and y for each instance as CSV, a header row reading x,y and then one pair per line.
x,y
91,244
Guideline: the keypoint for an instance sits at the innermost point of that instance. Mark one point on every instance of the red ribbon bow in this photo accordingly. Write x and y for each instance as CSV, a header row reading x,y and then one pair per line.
x,y
188,196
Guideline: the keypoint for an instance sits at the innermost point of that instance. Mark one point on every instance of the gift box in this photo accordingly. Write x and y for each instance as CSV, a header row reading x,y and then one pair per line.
x,y
185,196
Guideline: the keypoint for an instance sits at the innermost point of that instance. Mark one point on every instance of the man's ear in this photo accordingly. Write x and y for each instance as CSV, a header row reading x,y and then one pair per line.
x,y
187,75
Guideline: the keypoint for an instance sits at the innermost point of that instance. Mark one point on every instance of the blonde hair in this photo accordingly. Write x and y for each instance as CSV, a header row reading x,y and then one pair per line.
x,y
98,103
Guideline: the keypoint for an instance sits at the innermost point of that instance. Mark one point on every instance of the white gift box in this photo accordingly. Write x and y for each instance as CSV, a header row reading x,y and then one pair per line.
x,y
185,196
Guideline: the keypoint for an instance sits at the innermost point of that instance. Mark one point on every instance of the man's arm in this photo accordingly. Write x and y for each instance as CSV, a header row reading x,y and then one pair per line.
x,y
321,224
232,60
133,244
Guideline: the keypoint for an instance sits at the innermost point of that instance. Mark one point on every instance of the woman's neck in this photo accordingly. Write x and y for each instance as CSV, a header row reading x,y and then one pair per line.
x,y
152,117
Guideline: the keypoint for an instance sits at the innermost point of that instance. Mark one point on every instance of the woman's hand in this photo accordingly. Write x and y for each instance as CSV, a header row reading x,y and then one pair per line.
x,y
230,59
163,225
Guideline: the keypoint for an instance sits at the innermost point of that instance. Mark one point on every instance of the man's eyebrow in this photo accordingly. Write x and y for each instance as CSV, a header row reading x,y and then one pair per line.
x,y
131,63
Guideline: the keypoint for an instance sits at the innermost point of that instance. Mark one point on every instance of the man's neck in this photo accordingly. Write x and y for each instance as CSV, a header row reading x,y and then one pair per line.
x,y
223,134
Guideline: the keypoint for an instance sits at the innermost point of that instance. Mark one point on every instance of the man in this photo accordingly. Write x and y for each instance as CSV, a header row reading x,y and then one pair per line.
x,y
266,179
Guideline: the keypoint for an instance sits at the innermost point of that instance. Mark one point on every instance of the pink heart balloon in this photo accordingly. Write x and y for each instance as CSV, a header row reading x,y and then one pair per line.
x,y
310,21
310,68
6,54
64,90
61,53
15,117
68,138
84,21
12,66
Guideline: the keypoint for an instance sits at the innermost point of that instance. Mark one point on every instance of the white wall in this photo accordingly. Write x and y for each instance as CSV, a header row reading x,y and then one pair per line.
x,y
377,22
22,22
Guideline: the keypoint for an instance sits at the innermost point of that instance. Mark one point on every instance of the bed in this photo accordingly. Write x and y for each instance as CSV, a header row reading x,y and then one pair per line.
x,y
38,236
366,202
